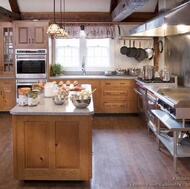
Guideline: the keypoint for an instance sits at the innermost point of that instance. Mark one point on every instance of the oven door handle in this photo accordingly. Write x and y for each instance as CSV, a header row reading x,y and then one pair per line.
x,y
150,102
136,91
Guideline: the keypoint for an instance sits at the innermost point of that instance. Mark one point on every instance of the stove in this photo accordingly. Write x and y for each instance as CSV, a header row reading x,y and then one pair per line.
x,y
175,101
157,81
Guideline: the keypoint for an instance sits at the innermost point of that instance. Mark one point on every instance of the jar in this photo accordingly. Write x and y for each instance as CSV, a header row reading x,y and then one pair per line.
x,y
33,98
22,96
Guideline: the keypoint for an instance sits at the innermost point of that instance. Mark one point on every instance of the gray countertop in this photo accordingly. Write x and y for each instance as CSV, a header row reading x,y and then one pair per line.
x,y
47,107
92,77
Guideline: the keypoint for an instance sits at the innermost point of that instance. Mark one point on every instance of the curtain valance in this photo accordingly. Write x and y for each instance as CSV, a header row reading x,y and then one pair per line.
x,y
93,31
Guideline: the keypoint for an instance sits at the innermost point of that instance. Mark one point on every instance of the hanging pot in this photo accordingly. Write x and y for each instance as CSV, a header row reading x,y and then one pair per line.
x,y
123,49
132,51
141,53
149,51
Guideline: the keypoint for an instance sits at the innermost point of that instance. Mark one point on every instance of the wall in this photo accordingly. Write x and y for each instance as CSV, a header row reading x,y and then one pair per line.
x,y
177,56
122,61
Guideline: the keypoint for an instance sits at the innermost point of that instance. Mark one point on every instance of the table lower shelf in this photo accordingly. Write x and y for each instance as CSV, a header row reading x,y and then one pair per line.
x,y
182,150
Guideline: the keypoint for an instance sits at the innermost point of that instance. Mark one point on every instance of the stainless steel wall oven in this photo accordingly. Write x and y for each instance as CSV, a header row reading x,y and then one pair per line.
x,y
31,63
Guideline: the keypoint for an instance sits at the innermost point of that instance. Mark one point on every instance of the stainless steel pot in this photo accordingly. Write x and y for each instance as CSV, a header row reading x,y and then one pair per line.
x,y
120,71
109,72
148,72
165,74
134,71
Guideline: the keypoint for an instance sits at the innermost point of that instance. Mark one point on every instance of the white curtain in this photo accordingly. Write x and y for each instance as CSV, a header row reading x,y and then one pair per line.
x,y
93,31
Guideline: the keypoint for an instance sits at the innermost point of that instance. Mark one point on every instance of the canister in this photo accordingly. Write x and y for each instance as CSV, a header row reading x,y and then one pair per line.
x,y
22,96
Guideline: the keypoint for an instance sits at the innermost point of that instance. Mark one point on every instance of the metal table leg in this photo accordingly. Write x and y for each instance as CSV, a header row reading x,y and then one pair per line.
x,y
175,151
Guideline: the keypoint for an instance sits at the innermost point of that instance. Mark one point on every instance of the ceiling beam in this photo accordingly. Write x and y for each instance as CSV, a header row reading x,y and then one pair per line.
x,y
69,16
113,4
6,15
126,8
140,17
14,6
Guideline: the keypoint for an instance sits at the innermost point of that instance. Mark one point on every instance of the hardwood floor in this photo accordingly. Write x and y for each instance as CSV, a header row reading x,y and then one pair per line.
x,y
125,155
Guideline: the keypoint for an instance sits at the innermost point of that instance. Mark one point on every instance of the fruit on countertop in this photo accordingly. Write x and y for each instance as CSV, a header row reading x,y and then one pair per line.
x,y
77,88
75,83
60,83
68,83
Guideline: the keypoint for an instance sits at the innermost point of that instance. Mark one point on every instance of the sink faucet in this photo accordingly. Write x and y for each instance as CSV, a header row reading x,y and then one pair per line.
x,y
83,66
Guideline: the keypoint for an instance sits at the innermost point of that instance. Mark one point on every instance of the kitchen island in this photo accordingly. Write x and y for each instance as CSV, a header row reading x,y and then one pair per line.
x,y
52,142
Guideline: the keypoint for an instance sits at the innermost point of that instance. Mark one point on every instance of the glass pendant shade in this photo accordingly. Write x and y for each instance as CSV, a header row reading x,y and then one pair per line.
x,y
61,34
53,29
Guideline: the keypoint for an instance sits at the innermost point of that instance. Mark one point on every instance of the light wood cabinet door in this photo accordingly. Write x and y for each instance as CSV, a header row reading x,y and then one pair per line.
x,y
7,95
6,49
52,147
30,34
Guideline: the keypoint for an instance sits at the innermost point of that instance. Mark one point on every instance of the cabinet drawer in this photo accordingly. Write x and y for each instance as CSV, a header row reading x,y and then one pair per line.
x,y
7,83
119,83
124,94
115,106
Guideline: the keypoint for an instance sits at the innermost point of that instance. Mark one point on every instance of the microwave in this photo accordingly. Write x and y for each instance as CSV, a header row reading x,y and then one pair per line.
x,y
31,63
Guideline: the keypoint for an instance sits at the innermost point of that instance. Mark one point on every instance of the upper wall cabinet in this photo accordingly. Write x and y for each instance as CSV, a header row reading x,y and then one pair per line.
x,y
31,34
6,49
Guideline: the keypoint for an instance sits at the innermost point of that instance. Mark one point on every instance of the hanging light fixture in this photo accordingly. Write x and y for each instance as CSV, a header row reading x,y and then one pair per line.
x,y
53,28
82,32
61,31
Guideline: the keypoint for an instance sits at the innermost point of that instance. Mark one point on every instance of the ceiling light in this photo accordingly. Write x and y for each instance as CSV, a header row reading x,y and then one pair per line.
x,y
53,28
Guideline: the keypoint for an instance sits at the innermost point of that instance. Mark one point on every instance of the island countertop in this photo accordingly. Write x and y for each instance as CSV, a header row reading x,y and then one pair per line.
x,y
47,107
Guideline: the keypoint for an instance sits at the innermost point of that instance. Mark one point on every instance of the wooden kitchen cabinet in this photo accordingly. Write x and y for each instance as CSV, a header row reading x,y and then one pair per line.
x,y
7,94
111,96
31,34
6,49
118,96
52,147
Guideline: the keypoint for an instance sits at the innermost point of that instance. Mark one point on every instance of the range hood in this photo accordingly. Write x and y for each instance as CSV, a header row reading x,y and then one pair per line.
x,y
173,22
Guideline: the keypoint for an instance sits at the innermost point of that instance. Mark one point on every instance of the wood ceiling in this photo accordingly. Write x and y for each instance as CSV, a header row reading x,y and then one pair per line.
x,y
116,13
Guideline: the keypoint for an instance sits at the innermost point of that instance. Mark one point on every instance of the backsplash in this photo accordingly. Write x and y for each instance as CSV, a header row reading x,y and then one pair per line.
x,y
177,57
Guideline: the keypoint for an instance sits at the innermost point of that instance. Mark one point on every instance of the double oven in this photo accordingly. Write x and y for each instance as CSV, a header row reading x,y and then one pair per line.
x,y
30,67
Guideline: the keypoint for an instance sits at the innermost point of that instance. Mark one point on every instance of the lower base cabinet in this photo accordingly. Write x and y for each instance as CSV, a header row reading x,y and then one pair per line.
x,y
112,95
118,96
52,147
7,94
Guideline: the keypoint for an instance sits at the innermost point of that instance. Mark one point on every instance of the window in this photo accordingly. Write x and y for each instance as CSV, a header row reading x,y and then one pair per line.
x,y
97,52
67,52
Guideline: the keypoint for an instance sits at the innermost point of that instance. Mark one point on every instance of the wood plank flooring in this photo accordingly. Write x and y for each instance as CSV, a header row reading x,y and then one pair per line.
x,y
125,155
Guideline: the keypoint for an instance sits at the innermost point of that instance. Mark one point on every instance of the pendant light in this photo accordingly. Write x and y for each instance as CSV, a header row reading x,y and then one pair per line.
x,y
53,28
61,32
82,31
